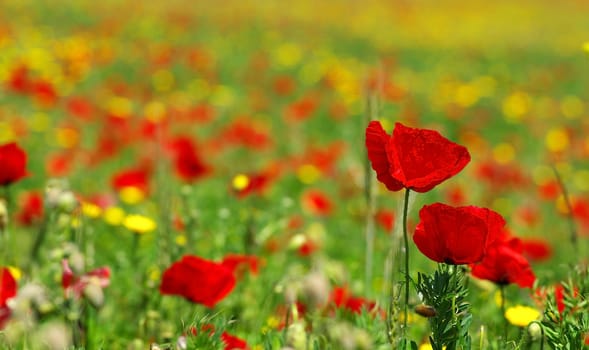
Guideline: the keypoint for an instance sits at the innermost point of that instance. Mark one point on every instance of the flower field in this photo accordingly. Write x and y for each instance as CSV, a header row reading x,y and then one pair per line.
x,y
318,175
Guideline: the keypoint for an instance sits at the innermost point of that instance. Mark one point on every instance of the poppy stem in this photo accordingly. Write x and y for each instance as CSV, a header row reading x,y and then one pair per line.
x,y
565,195
406,248
371,114
502,293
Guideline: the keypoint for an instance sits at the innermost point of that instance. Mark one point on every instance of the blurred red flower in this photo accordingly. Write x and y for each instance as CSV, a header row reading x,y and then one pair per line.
x,y
80,107
503,264
14,163
231,342
342,298
7,291
187,162
316,203
251,183
18,80
137,177
386,220
536,249
198,280
237,263
31,209
417,159
456,235
44,93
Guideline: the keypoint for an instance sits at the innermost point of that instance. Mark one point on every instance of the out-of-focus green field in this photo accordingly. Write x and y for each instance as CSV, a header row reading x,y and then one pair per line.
x,y
284,90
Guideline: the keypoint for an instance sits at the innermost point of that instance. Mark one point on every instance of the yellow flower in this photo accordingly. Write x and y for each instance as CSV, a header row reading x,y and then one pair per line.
x,y
139,223
131,195
114,215
91,210
521,315
240,182
15,272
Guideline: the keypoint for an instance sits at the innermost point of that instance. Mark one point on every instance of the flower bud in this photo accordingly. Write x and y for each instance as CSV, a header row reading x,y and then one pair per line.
x,y
136,344
55,336
94,294
316,289
296,336
535,331
3,215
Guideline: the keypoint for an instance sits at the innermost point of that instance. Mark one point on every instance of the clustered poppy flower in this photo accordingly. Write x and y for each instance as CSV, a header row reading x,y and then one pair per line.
x,y
342,298
456,235
198,280
412,158
14,163
7,291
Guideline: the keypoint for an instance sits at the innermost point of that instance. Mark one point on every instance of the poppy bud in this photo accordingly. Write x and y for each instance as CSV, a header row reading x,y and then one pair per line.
x,y
535,330
426,310
94,294
316,289
54,336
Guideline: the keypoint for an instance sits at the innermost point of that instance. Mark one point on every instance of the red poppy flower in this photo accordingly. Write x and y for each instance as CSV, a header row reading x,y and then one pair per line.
x,y
342,298
80,107
316,203
503,264
386,220
187,162
235,262
18,80
417,159
31,209
134,177
251,183
231,342
456,235
7,291
14,163
536,249
198,280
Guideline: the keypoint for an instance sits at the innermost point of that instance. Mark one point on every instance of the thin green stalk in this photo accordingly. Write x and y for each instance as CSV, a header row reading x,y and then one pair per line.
x,y
573,230
502,293
371,113
406,247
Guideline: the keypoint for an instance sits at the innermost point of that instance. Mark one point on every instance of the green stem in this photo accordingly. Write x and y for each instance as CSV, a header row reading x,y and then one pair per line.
x,y
502,293
573,230
406,247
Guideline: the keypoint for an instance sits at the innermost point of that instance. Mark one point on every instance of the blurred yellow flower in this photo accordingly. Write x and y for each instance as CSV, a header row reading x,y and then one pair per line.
x,y
131,195
308,173
91,210
503,153
15,272
139,224
557,140
240,182
521,315
114,215
181,240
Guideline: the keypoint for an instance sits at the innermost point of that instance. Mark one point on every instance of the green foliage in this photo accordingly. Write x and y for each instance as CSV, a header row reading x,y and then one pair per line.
x,y
446,293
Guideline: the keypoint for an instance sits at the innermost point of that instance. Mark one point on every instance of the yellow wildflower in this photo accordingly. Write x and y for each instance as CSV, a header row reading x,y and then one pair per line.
x,y
114,215
521,315
139,224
